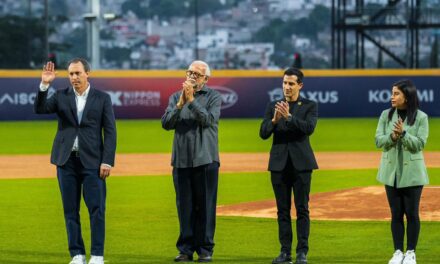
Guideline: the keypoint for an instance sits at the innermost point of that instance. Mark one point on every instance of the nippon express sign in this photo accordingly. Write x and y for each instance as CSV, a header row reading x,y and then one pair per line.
x,y
135,98
153,98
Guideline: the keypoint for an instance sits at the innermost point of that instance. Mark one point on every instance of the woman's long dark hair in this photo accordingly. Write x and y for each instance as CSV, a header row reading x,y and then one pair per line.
x,y
412,100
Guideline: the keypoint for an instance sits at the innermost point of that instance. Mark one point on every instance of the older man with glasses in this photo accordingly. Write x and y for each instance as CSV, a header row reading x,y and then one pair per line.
x,y
193,113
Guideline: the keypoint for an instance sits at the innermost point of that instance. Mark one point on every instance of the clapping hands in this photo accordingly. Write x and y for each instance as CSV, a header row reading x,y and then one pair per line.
x,y
281,111
187,94
397,129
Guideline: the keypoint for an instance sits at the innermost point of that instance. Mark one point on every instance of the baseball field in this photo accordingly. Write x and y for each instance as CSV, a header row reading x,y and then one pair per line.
x,y
350,218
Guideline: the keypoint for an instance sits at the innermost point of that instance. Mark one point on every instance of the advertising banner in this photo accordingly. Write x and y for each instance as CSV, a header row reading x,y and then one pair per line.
x,y
242,97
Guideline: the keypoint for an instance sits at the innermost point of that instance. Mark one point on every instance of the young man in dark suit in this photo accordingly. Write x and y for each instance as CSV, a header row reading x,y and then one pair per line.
x,y
83,151
291,121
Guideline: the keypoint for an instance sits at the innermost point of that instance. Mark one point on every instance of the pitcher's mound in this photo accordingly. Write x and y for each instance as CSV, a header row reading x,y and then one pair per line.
x,y
367,203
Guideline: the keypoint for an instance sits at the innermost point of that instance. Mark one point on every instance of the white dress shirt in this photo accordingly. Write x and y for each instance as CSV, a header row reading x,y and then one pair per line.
x,y
80,104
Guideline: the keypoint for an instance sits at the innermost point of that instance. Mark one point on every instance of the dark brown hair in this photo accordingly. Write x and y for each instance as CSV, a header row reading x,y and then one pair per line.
x,y
294,71
84,62
408,88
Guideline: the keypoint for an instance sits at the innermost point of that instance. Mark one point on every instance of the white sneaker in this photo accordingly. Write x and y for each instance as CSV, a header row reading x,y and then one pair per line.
x,y
96,260
78,259
410,257
397,257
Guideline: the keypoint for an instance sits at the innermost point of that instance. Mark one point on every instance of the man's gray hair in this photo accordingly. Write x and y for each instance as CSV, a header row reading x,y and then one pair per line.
x,y
207,69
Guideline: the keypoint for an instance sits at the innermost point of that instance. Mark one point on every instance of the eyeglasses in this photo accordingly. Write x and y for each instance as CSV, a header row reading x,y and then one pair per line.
x,y
194,74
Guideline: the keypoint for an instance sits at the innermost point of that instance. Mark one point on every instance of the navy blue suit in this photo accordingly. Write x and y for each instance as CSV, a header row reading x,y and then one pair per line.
x,y
80,170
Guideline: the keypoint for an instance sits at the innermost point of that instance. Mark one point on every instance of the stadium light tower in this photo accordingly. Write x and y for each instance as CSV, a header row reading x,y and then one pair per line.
x,y
196,28
46,28
92,20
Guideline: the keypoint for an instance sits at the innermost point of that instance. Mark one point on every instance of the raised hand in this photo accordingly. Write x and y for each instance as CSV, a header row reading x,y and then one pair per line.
x,y
49,73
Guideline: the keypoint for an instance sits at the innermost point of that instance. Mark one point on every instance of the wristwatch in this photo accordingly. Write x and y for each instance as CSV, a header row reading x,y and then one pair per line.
x,y
403,134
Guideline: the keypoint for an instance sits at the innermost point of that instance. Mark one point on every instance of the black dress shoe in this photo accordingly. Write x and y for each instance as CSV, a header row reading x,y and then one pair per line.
x,y
183,258
301,258
205,258
283,258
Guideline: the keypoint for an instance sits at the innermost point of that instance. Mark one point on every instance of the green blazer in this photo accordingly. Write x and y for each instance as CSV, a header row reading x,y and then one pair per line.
x,y
404,158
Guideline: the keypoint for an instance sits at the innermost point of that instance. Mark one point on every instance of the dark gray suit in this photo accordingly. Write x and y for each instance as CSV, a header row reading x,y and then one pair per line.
x,y
291,163
76,170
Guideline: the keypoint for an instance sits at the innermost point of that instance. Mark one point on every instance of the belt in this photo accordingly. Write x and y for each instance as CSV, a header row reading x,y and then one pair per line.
x,y
74,153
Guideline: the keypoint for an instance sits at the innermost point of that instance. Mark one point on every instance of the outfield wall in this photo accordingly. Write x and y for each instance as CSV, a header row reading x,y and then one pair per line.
x,y
144,94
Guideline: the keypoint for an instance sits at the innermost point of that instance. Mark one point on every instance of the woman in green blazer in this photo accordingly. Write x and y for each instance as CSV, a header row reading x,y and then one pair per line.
x,y
401,133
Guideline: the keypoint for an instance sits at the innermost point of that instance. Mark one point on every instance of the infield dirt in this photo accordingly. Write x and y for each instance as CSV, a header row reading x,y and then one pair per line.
x,y
38,166
367,203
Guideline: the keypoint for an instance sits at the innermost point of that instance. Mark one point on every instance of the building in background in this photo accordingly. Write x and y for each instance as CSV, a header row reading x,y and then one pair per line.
x,y
235,34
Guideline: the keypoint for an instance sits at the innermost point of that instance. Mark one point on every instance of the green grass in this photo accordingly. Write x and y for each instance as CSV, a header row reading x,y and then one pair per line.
x,y
246,187
142,225
235,135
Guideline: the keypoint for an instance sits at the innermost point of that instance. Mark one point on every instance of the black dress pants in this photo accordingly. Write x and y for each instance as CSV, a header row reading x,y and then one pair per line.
x,y
196,199
73,180
283,183
404,201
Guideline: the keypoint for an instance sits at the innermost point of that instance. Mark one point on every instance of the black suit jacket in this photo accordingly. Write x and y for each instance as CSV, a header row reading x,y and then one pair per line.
x,y
291,136
96,133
